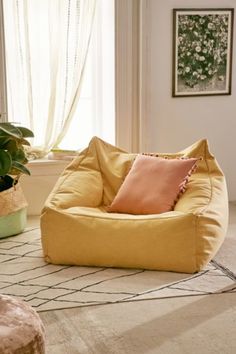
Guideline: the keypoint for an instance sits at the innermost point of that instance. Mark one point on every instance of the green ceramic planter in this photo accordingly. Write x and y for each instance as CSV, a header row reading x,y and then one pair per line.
x,y
13,224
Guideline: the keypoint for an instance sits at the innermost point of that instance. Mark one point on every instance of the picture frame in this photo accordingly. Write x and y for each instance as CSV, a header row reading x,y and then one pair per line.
x,y
202,52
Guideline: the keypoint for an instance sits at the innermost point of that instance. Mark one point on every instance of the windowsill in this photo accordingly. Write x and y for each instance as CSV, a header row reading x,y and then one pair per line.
x,y
55,158
46,161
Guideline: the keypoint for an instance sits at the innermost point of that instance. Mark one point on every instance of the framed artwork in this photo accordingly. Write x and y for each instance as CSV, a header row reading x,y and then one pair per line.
x,y
202,52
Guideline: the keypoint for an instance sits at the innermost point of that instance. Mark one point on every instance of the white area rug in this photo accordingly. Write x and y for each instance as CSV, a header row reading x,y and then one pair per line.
x,y
23,273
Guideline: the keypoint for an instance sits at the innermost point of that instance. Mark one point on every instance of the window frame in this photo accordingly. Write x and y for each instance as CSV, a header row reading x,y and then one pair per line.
x,y
127,74
3,86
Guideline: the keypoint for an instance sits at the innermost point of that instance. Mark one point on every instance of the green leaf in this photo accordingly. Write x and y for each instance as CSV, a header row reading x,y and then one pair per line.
x,y
9,129
12,154
11,146
3,134
19,156
5,162
26,133
3,141
18,167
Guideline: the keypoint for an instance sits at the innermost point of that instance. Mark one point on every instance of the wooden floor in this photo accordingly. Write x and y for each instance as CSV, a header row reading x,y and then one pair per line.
x,y
192,324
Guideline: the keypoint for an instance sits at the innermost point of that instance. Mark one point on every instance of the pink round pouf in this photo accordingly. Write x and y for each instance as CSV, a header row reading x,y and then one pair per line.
x,y
21,329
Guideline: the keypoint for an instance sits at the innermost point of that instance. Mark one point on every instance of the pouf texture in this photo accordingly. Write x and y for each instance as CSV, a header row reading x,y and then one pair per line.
x,y
21,329
76,227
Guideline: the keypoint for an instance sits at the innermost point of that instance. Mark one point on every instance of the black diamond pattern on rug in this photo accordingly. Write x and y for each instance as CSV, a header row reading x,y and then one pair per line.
x,y
25,274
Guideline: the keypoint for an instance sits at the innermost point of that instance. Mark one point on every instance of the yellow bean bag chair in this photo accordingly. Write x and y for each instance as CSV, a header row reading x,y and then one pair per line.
x,y
77,229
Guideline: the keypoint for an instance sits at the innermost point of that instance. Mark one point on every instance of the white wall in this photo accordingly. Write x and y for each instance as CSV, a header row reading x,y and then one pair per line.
x,y
171,124
44,174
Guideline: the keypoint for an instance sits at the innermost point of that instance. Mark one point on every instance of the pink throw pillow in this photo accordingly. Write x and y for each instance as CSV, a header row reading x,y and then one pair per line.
x,y
152,185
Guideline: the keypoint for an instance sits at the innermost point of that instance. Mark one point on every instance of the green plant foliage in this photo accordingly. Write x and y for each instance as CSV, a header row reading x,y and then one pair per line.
x,y
5,162
12,154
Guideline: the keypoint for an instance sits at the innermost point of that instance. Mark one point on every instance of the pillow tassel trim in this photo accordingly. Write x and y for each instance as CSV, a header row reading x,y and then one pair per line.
x,y
183,184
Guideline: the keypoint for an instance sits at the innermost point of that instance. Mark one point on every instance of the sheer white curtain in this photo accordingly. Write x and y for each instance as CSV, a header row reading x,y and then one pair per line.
x,y
95,112
50,41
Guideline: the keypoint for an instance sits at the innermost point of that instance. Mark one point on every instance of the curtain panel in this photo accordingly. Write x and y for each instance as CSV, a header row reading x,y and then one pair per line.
x,y
50,41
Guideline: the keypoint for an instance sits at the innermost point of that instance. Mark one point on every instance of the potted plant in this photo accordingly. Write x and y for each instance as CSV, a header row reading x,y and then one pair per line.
x,y
12,165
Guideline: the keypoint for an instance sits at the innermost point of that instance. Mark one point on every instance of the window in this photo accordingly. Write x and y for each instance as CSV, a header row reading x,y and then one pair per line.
x,y
95,113
30,91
